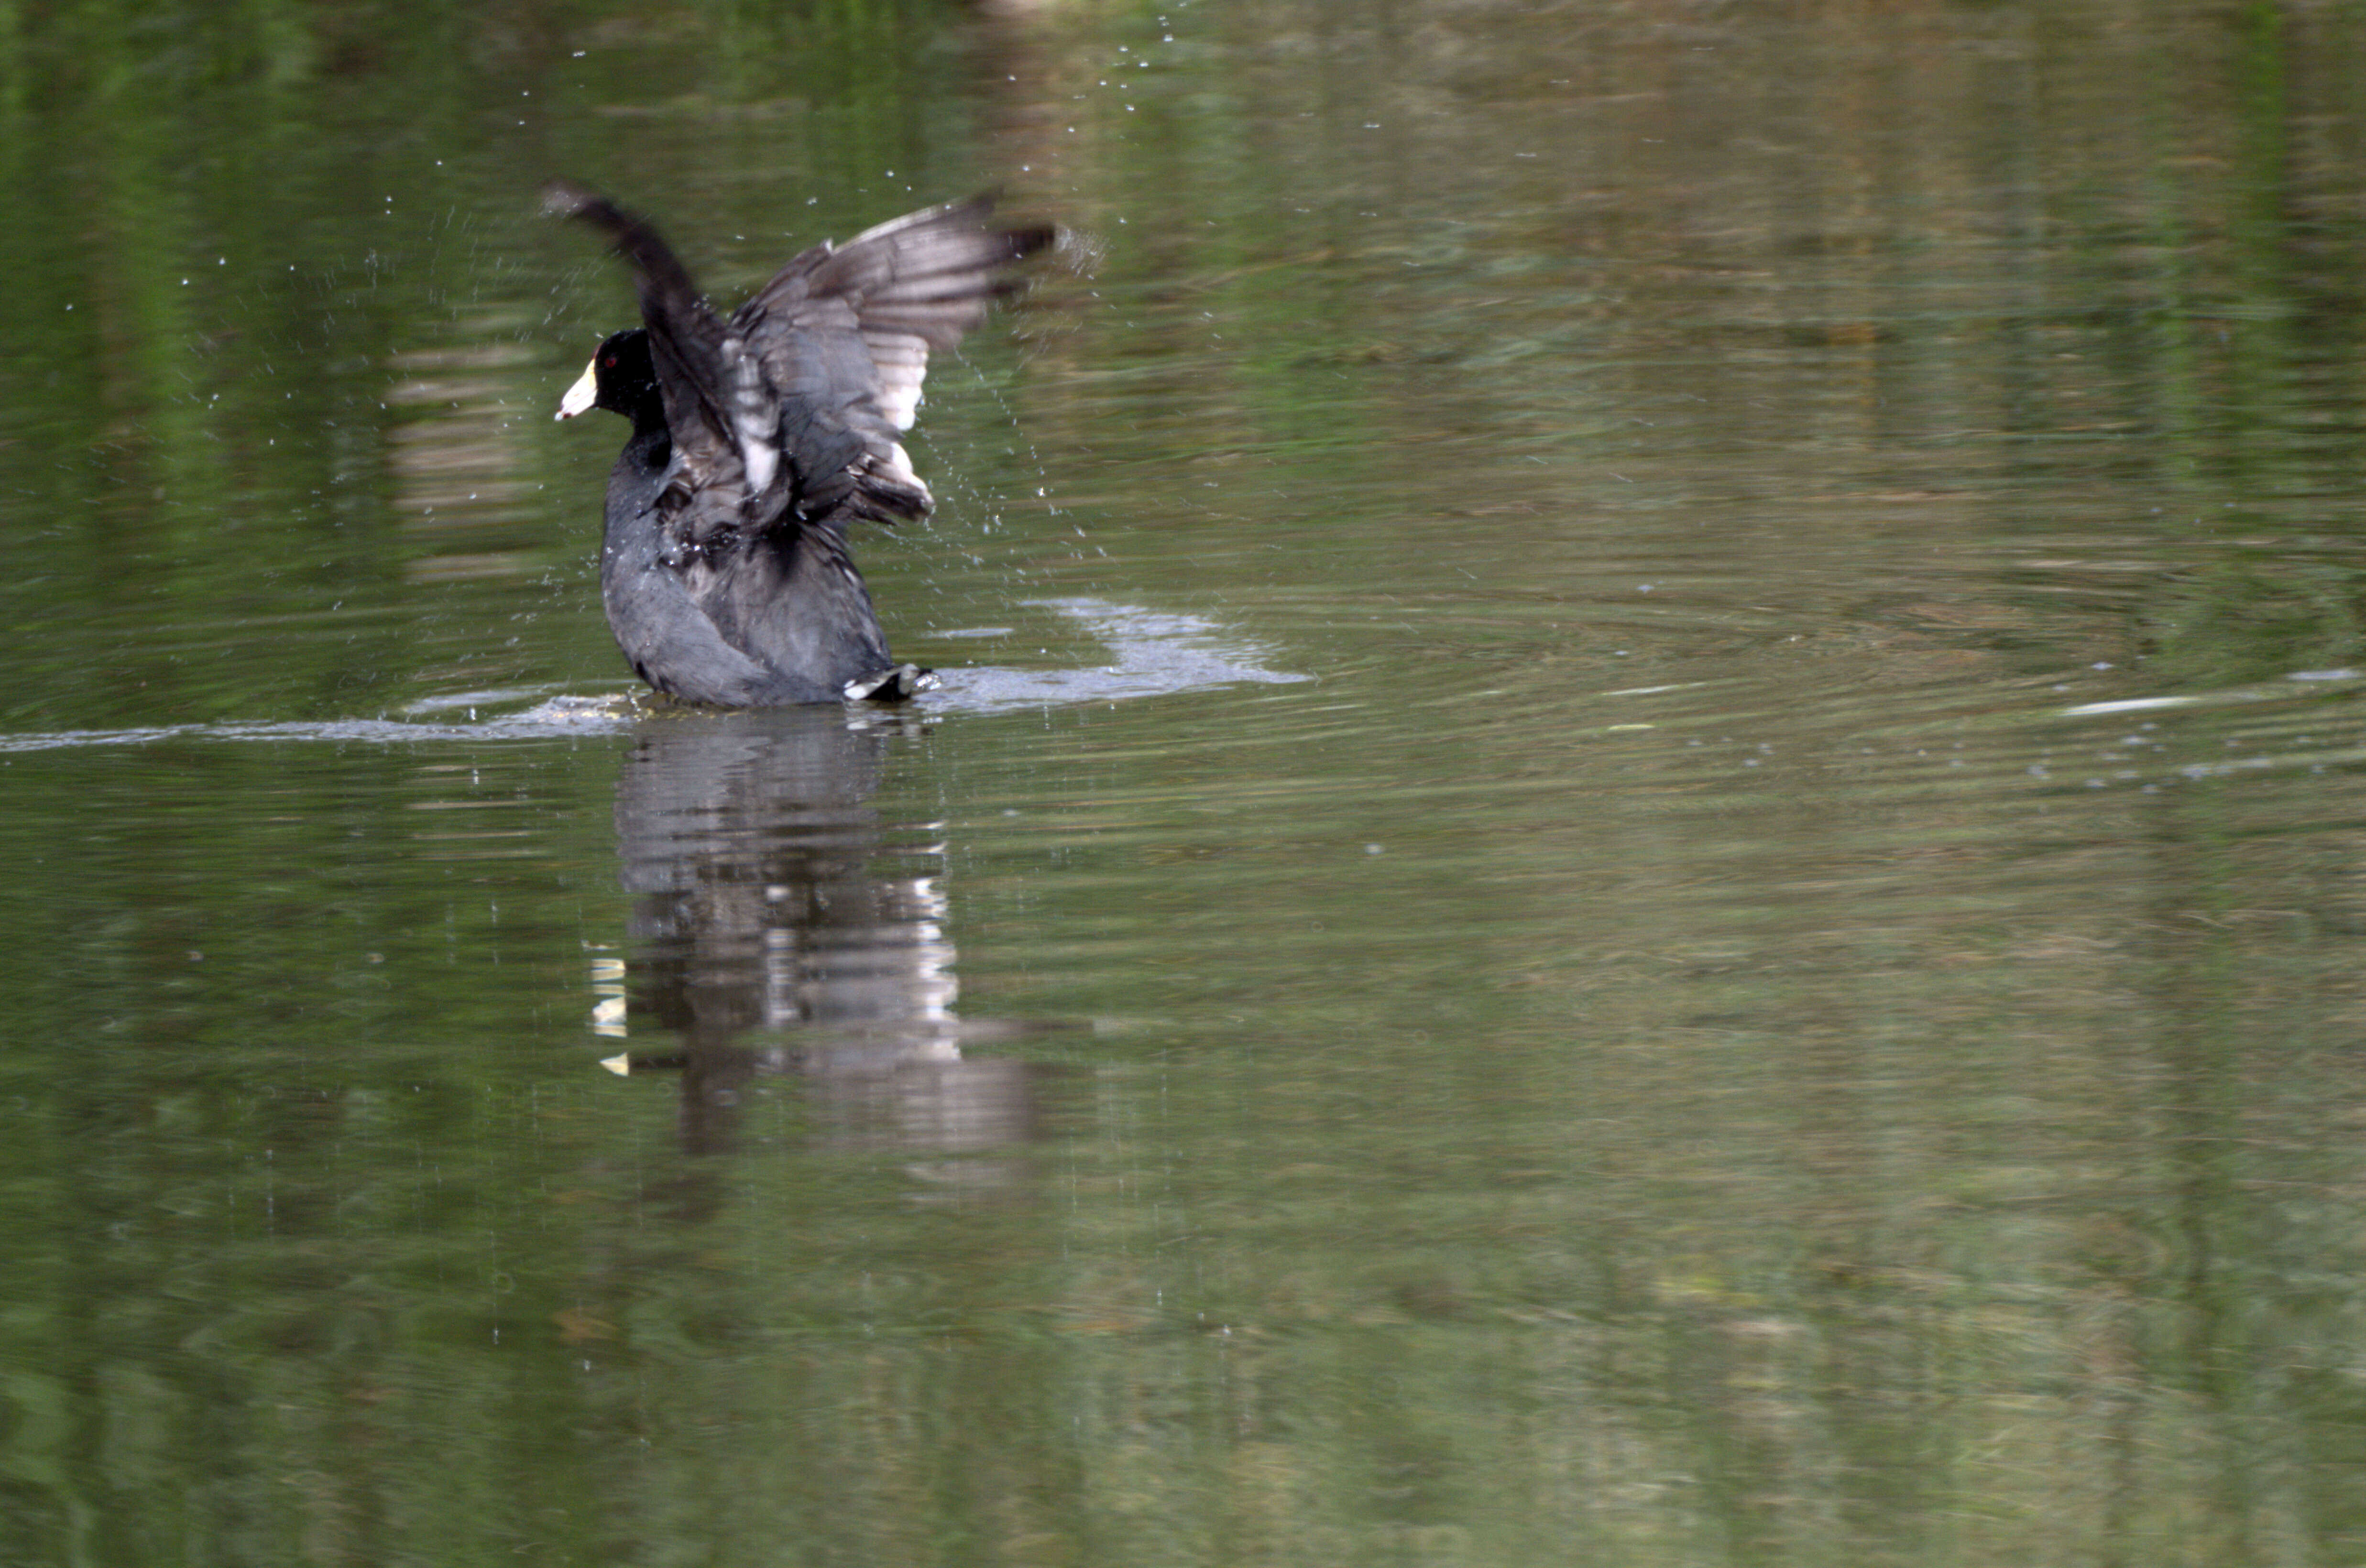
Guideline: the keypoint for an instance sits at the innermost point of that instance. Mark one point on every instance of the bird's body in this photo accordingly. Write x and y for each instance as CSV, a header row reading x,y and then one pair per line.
x,y
759,438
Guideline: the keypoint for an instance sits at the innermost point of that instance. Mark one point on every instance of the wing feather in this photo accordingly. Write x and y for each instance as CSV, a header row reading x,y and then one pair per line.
x,y
851,327
794,406
715,401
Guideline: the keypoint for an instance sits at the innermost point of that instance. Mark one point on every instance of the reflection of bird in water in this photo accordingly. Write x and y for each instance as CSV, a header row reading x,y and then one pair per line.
x,y
759,438
769,896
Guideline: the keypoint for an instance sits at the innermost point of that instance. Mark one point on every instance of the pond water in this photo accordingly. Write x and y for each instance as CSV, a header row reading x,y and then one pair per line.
x,y
1640,846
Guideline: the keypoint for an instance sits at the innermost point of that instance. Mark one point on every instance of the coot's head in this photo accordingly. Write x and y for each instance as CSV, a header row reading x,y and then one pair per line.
x,y
620,378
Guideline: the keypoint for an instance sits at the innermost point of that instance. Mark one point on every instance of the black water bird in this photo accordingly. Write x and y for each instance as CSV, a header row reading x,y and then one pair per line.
x,y
759,438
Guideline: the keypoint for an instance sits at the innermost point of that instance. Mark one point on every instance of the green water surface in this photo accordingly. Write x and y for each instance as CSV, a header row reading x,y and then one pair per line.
x,y
1721,921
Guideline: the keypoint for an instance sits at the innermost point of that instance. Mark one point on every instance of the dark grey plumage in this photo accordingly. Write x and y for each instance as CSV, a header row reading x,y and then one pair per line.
x,y
759,437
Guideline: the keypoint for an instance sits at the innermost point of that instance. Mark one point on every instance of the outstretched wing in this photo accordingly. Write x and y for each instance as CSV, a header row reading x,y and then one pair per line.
x,y
843,332
717,409
799,400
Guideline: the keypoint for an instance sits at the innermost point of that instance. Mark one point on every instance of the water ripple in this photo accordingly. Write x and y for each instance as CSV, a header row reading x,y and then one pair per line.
x,y
1153,654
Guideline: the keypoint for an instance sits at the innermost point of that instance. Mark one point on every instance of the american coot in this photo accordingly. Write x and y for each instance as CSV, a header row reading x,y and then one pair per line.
x,y
759,438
